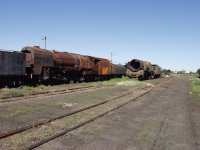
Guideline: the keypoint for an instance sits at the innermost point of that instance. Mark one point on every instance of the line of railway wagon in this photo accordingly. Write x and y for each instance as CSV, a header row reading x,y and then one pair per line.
x,y
35,65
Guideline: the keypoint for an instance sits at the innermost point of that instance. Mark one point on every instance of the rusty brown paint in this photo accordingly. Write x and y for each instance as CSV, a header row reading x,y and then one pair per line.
x,y
156,71
64,59
39,58
139,69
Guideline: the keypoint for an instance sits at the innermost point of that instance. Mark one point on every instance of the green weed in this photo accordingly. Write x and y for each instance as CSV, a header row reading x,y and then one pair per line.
x,y
195,87
12,93
144,138
22,139
16,110
23,90
124,81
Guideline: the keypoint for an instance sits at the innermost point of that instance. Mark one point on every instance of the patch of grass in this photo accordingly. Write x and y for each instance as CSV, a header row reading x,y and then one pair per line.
x,y
34,90
43,132
195,87
193,77
79,117
12,93
22,139
28,90
16,110
158,125
144,138
73,119
23,90
124,81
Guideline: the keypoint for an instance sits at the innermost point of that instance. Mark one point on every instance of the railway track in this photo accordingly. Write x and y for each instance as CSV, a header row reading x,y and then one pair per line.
x,y
50,93
26,128
94,118
82,124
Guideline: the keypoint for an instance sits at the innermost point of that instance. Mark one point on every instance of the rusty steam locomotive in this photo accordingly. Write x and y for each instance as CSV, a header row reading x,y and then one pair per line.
x,y
34,65
142,70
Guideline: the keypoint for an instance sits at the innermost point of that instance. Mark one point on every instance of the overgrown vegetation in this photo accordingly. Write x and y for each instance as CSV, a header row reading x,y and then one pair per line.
x,y
37,134
144,138
124,81
16,110
22,91
11,93
195,87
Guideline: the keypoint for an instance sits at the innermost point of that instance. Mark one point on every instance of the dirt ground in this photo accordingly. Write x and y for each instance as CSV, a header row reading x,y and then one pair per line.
x,y
165,119
20,113
31,111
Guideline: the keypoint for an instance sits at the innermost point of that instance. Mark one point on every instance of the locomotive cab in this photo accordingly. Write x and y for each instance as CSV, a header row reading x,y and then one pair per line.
x,y
29,63
38,62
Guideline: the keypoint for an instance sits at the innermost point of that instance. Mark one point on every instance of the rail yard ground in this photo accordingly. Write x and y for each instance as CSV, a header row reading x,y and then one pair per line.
x,y
159,114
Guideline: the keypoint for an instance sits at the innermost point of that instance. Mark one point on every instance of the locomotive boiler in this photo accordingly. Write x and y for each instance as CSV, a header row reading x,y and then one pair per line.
x,y
139,69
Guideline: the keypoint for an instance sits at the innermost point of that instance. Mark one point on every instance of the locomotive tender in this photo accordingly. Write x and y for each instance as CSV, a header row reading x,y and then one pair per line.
x,y
12,66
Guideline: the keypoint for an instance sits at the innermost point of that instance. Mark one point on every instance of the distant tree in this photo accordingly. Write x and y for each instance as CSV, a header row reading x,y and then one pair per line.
x,y
181,72
191,72
166,71
198,71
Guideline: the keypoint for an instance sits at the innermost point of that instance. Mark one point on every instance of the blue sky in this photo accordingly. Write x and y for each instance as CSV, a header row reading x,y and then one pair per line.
x,y
165,32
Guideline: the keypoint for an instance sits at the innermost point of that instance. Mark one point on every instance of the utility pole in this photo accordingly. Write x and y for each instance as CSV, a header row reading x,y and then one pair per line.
x,y
45,42
111,55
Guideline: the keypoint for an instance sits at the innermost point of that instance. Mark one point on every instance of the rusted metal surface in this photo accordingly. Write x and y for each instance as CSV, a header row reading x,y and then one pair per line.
x,y
74,66
41,65
104,66
113,70
136,65
37,59
86,63
156,71
64,59
135,74
139,69
120,70
12,63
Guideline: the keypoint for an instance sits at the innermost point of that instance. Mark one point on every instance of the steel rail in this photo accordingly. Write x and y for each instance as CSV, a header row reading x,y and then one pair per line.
x,y
22,129
50,93
81,124
90,120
